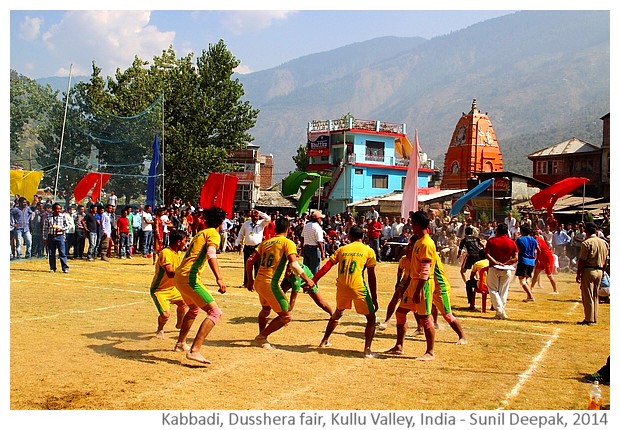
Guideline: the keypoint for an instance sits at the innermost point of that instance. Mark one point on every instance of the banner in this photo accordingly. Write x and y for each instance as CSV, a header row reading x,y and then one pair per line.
x,y
25,183
410,191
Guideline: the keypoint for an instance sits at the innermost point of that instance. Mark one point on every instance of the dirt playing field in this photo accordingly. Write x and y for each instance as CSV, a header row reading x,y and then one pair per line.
x,y
85,340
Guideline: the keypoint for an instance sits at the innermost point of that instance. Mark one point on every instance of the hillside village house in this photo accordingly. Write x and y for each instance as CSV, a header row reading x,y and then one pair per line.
x,y
255,174
366,158
574,157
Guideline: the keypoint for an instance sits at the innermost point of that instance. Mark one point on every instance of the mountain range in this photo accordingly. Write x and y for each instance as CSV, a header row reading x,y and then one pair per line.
x,y
542,77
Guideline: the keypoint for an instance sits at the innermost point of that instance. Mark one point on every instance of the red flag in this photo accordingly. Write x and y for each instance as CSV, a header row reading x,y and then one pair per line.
x,y
410,191
545,199
92,180
219,190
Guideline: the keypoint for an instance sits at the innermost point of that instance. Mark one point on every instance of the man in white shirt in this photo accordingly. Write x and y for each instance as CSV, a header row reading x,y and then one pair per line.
x,y
372,214
147,231
397,227
250,236
313,242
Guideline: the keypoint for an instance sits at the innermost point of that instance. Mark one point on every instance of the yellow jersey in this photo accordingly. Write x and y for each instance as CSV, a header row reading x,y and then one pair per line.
x,y
160,280
424,251
195,258
352,260
274,254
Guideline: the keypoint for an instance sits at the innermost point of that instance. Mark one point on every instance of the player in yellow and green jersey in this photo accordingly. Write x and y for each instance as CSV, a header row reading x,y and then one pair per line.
x,y
274,254
353,260
202,250
163,290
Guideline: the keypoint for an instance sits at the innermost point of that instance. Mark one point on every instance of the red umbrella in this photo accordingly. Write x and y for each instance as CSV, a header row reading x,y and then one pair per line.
x,y
545,199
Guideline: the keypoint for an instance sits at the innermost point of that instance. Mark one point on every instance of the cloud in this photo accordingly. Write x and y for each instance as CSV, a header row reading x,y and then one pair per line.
x,y
242,22
242,69
29,29
109,38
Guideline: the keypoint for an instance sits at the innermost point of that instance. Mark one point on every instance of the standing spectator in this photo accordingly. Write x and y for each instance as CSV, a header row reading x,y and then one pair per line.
x,y
511,223
501,252
122,226
138,239
90,225
23,228
130,220
70,239
54,233
106,232
547,234
374,236
147,231
250,236
386,230
313,242
80,233
372,213
224,232
36,229
112,199
397,227
560,240
592,259
575,244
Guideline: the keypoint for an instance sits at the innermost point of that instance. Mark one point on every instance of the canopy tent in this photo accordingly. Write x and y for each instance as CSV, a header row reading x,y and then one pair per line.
x,y
545,199
478,189
25,182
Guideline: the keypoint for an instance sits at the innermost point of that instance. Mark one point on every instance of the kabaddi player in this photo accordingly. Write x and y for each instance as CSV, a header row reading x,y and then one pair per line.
x,y
402,281
419,295
163,290
295,284
202,250
352,261
273,255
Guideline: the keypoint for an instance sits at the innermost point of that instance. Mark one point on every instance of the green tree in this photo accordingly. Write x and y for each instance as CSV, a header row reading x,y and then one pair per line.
x,y
301,159
203,114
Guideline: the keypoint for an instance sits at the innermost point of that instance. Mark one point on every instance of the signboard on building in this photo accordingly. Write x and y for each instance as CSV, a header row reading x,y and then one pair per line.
x,y
318,144
244,176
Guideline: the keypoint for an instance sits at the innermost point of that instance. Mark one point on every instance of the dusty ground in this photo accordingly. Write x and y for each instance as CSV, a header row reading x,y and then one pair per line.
x,y
85,340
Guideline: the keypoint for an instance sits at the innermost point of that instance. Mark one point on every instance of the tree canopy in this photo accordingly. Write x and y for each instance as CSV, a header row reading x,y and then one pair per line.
x,y
194,106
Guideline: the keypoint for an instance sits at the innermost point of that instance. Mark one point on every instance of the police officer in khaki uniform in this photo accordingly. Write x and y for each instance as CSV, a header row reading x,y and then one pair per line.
x,y
592,257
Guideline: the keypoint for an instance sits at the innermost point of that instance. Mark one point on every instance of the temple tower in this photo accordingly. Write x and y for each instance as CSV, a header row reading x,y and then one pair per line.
x,y
473,148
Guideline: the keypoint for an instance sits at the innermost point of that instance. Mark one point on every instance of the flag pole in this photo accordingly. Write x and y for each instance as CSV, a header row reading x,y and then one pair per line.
x,y
583,202
62,133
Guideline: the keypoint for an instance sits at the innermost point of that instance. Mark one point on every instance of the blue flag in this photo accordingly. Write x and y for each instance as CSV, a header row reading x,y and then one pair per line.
x,y
478,189
152,179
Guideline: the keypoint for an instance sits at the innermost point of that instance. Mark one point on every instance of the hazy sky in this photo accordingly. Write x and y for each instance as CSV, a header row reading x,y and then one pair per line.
x,y
46,42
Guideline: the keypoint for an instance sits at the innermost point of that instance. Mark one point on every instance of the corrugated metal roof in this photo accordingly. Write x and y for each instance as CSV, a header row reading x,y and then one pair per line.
x,y
570,146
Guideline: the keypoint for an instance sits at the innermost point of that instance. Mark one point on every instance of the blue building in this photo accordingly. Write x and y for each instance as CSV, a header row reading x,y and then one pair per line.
x,y
366,158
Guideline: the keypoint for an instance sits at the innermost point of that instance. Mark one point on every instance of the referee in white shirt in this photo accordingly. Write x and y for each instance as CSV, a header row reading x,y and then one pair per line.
x,y
251,235
313,242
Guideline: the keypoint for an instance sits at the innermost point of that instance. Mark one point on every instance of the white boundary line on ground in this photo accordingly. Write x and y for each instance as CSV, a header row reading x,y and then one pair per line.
x,y
524,333
78,312
533,366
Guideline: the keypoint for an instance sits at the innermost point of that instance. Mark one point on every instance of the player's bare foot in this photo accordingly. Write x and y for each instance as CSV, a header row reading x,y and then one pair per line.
x,y
196,356
262,342
461,341
426,357
181,347
325,344
160,334
394,351
369,354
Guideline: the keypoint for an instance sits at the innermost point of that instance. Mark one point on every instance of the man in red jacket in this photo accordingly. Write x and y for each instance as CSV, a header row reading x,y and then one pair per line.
x,y
374,236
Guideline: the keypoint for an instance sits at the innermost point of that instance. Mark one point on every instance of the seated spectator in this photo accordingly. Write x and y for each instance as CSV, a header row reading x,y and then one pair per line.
x,y
564,262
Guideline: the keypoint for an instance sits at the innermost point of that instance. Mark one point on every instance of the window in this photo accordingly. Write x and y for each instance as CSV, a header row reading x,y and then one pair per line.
x,y
557,167
379,181
244,192
359,171
375,151
402,182
541,167
488,167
